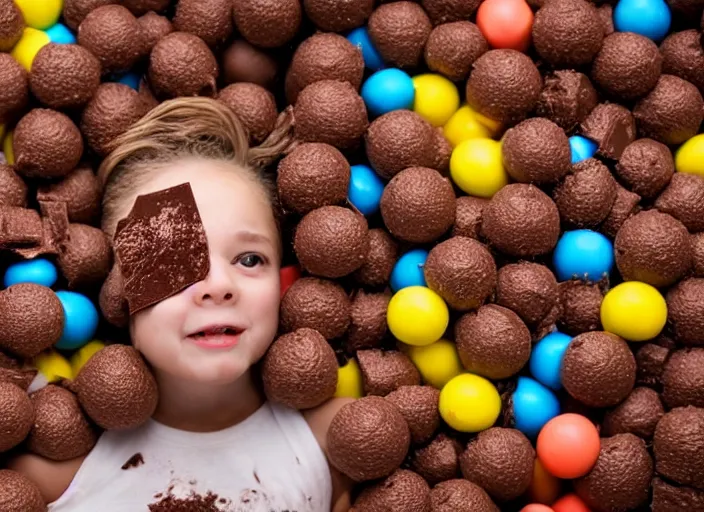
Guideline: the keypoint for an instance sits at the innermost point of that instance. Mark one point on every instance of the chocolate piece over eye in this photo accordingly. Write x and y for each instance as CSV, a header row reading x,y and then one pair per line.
x,y
161,247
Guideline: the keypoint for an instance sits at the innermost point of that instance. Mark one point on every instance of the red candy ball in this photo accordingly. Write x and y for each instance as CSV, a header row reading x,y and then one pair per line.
x,y
568,446
506,23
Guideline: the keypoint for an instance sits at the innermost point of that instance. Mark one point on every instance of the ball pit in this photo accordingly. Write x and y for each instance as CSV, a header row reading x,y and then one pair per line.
x,y
607,249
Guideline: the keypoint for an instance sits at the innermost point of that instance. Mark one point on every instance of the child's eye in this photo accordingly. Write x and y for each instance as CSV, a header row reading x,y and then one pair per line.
x,y
249,260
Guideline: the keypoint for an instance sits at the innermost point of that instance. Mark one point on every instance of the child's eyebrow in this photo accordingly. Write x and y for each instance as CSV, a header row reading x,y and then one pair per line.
x,y
252,236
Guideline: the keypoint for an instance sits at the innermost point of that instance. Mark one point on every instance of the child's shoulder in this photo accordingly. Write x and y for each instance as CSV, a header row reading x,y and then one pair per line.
x,y
51,477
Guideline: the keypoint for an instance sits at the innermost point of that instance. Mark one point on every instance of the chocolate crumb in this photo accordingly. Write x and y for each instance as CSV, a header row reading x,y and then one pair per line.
x,y
256,477
193,503
135,461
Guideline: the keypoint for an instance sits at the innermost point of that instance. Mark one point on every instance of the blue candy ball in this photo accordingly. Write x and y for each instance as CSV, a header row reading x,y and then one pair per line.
x,y
387,90
408,270
546,359
38,271
60,34
365,189
649,18
130,79
372,58
533,406
582,148
584,254
80,320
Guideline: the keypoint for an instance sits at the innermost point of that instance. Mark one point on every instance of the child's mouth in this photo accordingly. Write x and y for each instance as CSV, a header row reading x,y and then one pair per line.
x,y
217,337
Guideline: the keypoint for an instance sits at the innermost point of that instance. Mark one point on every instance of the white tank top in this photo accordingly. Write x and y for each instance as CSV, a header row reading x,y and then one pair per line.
x,y
269,462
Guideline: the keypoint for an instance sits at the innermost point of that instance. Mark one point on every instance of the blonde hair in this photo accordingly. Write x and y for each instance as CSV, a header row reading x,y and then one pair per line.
x,y
188,127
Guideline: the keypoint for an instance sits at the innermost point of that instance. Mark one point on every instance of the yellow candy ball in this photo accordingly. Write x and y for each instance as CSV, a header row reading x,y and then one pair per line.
x,y
690,156
467,124
28,46
416,315
349,381
437,363
40,14
436,98
469,403
7,148
633,310
53,366
476,166
82,355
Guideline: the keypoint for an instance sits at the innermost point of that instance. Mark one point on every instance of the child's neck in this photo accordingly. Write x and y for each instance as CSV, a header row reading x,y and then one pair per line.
x,y
198,407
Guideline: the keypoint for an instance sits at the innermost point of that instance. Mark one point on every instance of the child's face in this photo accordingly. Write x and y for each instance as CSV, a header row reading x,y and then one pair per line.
x,y
241,290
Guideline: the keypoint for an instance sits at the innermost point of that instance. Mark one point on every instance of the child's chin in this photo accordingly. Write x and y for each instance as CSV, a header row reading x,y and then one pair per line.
x,y
217,374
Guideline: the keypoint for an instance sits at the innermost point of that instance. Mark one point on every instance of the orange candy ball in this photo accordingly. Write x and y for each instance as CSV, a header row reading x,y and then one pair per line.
x,y
536,507
568,446
570,503
506,23
544,487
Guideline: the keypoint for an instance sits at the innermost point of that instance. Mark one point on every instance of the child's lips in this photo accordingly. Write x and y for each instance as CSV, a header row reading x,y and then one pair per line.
x,y
215,340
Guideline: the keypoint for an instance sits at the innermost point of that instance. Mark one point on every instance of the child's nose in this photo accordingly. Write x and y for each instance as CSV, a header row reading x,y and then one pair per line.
x,y
217,288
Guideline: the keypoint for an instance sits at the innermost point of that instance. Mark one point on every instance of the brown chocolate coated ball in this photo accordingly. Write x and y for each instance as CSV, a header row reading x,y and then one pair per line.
x,y
638,414
528,289
678,443
334,16
14,88
683,56
453,47
580,306
685,311
399,31
316,304
254,106
586,195
567,98
683,378
267,23
242,62
683,198
646,167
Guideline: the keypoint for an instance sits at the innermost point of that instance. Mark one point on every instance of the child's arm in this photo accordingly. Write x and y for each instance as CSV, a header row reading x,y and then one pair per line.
x,y
319,420
52,478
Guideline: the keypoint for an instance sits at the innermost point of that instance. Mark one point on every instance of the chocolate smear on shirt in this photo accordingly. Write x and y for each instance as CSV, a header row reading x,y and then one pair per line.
x,y
135,461
161,247
193,503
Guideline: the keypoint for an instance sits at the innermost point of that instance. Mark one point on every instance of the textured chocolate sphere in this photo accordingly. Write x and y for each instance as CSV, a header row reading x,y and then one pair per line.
x,y
438,460
568,33
46,144
459,495
678,443
399,31
333,16
567,98
654,248
242,62
211,20
620,479
300,370
685,311
14,87
402,490
398,140
14,189
18,415
462,271
323,57
492,342
453,47
651,359
625,205
368,325
331,111
528,289
64,75
646,167
683,378
536,151
381,258
683,198
504,85
85,257
19,493
331,241
111,112
697,242
418,205
154,27
683,56
672,112
468,216
419,405
580,306
627,66
254,106
11,25
114,36
521,220
667,497
598,369
637,414
75,11
316,304
586,195
181,64
384,371
312,175
368,439
500,460
267,23
446,11
612,127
